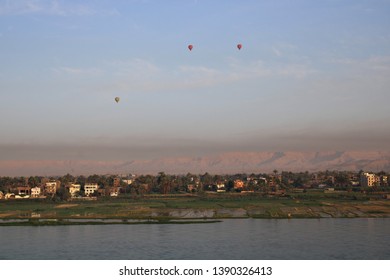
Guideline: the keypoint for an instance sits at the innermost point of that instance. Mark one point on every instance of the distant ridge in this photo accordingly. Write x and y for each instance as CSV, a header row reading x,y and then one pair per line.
x,y
226,163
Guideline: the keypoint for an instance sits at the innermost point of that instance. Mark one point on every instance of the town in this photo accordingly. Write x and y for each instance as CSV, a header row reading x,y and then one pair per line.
x,y
93,187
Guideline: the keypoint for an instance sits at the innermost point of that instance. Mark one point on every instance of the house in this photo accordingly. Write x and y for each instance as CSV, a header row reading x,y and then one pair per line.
x,y
368,179
117,182
221,187
51,187
102,192
191,188
24,190
1,195
238,184
89,189
114,191
383,181
74,189
9,196
127,181
35,192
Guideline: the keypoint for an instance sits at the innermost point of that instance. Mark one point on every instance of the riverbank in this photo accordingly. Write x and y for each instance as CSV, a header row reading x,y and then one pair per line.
x,y
177,208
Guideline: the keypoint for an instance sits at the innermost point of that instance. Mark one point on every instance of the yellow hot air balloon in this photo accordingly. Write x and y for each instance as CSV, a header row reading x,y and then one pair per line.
x,y
117,99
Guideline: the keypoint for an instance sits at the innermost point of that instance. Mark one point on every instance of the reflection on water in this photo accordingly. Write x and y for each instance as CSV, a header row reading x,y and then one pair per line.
x,y
230,239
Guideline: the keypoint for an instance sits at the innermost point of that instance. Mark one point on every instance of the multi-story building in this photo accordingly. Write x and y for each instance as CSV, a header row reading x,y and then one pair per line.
x,y
368,179
74,189
89,189
51,187
25,190
35,192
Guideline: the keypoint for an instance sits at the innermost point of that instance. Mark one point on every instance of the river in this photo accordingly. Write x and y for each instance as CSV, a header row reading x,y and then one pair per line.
x,y
269,239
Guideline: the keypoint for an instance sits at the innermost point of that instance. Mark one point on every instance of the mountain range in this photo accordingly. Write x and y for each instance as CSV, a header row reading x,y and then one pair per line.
x,y
225,163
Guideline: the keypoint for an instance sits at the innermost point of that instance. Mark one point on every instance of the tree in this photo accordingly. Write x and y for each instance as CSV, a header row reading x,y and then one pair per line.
x,y
341,179
66,179
33,181
5,183
206,179
164,182
81,180
93,179
63,194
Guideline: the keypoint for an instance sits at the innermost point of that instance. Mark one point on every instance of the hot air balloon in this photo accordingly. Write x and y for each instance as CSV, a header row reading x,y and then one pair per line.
x,y
239,46
190,47
117,99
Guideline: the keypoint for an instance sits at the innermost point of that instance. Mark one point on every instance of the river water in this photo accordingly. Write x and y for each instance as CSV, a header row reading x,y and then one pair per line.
x,y
301,239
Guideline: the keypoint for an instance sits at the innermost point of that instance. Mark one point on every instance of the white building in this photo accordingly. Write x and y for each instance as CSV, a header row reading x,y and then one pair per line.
x,y
35,192
74,189
89,189
127,181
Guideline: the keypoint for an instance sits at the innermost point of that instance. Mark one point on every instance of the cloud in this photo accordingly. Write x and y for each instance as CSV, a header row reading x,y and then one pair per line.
x,y
50,7
135,67
276,52
143,75
376,64
77,71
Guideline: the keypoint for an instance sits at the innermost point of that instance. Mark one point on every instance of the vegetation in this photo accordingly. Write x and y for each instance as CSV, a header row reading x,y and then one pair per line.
x,y
158,208
191,183
166,198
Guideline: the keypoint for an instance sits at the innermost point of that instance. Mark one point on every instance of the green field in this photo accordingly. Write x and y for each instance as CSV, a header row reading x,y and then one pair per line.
x,y
159,208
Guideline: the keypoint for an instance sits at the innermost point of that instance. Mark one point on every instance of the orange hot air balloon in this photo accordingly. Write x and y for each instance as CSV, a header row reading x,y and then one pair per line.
x,y
190,47
239,46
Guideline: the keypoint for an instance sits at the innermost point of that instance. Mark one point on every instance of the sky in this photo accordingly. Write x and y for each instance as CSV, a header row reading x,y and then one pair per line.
x,y
311,76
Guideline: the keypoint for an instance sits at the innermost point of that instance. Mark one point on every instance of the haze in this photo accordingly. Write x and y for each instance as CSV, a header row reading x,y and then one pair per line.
x,y
311,76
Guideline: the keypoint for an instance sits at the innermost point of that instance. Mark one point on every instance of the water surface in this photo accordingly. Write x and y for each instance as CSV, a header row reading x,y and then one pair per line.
x,y
231,239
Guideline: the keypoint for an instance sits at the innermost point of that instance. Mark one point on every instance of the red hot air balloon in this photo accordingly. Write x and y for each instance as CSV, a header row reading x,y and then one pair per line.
x,y
239,46
190,47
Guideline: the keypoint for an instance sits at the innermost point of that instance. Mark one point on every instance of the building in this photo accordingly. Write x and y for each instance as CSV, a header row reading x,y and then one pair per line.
x,y
368,179
117,182
191,188
384,181
238,184
114,191
35,192
9,196
127,181
221,187
1,195
74,189
25,190
51,187
89,189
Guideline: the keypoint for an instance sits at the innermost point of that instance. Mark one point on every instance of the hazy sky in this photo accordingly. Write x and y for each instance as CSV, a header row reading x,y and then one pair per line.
x,y
311,75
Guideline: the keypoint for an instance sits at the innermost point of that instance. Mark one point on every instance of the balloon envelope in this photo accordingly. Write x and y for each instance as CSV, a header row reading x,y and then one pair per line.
x,y
117,99
239,46
190,47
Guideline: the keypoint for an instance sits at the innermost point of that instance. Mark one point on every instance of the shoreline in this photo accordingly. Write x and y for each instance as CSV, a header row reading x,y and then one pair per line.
x,y
179,209
98,221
